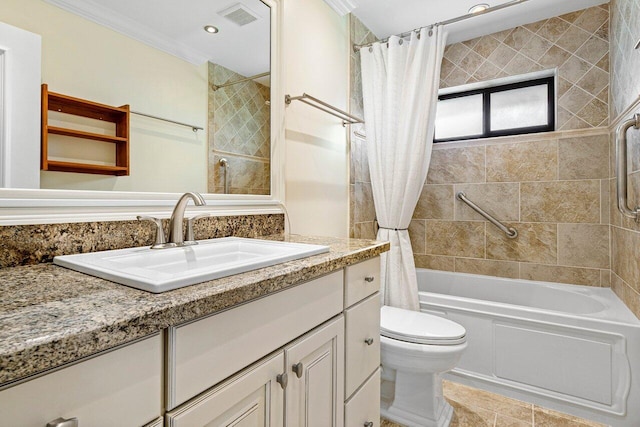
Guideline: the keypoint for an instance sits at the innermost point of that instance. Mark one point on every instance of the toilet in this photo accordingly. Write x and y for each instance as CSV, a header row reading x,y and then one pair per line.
x,y
416,349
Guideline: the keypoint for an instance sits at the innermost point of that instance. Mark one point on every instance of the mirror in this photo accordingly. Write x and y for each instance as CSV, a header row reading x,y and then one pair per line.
x,y
156,57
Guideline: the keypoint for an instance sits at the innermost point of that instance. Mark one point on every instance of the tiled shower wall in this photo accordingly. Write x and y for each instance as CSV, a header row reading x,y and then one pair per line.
x,y
362,213
577,44
625,94
553,188
239,130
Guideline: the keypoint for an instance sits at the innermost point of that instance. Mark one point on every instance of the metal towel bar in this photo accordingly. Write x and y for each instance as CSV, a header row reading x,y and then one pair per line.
x,y
511,232
193,127
621,167
347,119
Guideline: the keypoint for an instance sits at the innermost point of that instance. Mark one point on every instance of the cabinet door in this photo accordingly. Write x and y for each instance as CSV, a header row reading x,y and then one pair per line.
x,y
252,398
315,368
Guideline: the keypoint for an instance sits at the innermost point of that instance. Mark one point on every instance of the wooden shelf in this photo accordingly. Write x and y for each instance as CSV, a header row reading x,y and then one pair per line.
x,y
85,135
54,165
92,110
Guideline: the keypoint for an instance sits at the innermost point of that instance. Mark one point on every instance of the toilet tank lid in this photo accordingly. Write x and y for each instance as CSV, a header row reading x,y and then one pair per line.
x,y
418,327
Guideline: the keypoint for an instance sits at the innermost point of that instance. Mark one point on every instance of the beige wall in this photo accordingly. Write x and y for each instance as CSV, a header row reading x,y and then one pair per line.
x,y
625,91
239,131
85,60
316,158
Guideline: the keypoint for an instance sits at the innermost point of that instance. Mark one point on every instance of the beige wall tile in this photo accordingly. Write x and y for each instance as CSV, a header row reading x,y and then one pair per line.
x,y
364,208
605,278
632,300
625,252
417,234
454,165
443,263
455,238
614,214
502,200
560,201
523,161
560,274
583,245
584,157
436,202
535,243
605,208
364,230
488,267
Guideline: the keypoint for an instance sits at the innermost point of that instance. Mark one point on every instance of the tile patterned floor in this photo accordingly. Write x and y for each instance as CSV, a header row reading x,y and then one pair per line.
x,y
479,408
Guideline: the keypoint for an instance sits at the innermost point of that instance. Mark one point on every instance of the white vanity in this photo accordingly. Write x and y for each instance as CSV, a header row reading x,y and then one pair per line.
x,y
308,354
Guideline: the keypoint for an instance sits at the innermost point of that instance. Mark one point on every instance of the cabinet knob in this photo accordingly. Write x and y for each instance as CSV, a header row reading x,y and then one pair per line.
x,y
61,422
369,341
369,279
368,424
283,380
298,369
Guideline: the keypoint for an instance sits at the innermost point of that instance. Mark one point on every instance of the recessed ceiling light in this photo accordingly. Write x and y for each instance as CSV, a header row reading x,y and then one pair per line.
x,y
478,8
211,29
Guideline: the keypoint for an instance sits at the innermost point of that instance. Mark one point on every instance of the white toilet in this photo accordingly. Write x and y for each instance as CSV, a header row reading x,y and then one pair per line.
x,y
416,349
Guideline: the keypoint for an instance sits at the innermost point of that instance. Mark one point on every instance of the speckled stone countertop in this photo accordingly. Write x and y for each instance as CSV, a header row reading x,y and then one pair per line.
x,y
50,315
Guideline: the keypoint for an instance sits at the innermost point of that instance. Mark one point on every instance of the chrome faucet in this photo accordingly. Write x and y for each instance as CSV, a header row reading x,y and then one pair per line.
x,y
176,230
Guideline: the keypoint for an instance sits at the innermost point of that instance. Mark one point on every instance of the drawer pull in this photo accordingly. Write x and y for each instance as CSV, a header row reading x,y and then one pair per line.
x,y
61,422
283,380
368,424
298,369
369,279
369,341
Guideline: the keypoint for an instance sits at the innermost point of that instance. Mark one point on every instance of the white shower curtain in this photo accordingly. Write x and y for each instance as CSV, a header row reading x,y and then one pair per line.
x,y
400,89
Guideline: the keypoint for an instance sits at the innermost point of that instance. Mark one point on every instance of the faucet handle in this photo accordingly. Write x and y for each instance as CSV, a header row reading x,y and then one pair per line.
x,y
189,239
160,240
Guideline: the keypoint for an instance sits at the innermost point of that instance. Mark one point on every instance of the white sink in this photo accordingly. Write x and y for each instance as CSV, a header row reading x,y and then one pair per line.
x,y
160,270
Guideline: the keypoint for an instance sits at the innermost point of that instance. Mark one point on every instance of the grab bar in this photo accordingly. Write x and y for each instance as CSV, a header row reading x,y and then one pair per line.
x,y
225,164
621,167
511,232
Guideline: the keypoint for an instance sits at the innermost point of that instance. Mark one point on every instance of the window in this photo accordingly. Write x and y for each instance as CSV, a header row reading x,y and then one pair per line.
x,y
508,109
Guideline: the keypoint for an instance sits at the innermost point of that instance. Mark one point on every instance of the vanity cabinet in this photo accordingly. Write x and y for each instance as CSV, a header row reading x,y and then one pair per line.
x,y
122,387
304,356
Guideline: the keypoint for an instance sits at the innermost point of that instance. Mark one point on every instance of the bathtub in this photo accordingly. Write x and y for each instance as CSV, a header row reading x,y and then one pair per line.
x,y
571,348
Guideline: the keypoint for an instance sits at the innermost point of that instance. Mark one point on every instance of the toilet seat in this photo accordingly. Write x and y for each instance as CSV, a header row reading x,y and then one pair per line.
x,y
419,328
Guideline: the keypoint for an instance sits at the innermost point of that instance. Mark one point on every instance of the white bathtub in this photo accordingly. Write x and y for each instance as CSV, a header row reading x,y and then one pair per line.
x,y
572,348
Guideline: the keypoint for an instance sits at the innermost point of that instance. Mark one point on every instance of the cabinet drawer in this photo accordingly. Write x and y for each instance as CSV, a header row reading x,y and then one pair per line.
x,y
364,406
361,280
118,388
205,352
362,342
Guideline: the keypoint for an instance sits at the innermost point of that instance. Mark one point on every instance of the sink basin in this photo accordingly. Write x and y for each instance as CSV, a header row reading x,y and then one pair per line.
x,y
161,270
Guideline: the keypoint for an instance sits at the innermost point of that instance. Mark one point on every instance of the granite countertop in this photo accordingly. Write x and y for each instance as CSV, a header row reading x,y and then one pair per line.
x,y
50,315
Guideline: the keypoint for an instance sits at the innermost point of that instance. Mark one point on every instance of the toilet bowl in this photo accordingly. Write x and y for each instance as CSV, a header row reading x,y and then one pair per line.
x,y
416,349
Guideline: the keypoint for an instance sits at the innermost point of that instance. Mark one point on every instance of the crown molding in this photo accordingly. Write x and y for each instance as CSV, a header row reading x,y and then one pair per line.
x,y
342,7
94,11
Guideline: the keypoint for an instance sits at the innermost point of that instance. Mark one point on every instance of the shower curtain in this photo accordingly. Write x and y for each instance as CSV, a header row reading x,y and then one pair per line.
x,y
400,81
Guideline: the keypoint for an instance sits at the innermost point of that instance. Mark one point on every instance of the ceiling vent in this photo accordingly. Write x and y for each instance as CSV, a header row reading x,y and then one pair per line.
x,y
239,14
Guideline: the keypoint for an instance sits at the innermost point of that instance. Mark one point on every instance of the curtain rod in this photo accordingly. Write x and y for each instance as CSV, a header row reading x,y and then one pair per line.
x,y
246,79
357,47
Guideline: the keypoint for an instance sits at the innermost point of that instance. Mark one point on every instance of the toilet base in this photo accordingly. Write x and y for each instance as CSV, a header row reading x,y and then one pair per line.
x,y
415,400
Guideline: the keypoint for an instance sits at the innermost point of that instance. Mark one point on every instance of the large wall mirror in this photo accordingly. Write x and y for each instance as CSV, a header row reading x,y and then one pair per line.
x,y
196,63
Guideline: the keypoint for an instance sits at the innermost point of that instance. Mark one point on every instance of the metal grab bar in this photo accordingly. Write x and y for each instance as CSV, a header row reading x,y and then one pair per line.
x,y
621,167
511,232
224,163
347,119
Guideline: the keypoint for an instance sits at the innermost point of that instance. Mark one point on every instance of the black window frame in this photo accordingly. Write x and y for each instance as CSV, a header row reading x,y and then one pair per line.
x,y
486,109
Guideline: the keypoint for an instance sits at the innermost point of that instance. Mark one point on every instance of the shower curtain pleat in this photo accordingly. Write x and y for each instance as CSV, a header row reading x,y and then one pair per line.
x,y
400,89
